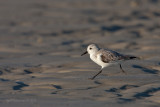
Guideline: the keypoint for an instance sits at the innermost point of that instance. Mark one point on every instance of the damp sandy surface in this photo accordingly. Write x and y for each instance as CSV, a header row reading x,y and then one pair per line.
x,y
41,42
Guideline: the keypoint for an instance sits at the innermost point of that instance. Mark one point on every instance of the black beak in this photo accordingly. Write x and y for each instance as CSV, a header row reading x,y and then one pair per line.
x,y
84,53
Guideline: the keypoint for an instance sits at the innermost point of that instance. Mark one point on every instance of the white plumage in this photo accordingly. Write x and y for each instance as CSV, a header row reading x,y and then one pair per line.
x,y
106,57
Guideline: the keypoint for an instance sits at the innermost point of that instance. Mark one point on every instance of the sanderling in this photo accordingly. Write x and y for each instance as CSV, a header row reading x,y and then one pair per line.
x,y
106,57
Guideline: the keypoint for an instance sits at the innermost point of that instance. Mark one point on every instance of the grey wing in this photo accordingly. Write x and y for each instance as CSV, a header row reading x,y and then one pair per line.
x,y
110,56
104,59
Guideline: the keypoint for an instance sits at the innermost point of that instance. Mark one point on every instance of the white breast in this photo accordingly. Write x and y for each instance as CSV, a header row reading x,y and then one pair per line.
x,y
94,58
97,60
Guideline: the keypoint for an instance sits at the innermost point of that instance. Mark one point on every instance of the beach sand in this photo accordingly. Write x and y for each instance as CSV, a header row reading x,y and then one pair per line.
x,y
41,42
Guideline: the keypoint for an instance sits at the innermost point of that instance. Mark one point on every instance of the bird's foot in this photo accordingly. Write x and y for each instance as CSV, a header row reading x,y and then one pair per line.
x,y
124,72
91,78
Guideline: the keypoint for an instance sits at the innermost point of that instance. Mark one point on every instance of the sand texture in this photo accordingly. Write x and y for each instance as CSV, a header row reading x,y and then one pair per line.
x,y
41,42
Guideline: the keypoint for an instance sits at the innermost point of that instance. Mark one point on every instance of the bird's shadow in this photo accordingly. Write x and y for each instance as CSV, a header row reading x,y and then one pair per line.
x,y
147,70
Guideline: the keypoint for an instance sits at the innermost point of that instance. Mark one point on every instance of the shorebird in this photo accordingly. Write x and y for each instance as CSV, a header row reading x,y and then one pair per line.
x,y
106,57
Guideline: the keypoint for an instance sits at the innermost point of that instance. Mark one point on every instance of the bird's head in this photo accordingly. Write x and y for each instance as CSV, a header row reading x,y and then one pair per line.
x,y
92,48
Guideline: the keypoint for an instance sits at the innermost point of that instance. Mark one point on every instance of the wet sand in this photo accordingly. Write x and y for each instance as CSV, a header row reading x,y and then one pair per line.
x,y
41,42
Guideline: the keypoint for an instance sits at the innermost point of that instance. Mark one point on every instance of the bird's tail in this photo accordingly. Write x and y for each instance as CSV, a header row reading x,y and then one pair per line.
x,y
128,57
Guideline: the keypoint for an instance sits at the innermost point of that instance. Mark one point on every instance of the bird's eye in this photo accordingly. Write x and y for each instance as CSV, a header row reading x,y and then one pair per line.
x,y
90,48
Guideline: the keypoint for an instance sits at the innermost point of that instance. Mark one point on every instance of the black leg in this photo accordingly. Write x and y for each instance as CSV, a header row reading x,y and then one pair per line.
x,y
122,69
96,75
